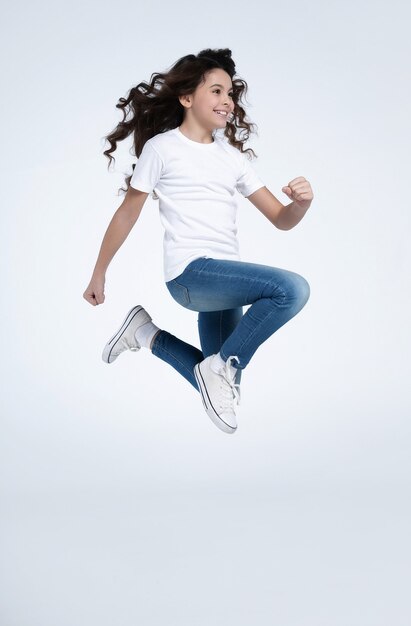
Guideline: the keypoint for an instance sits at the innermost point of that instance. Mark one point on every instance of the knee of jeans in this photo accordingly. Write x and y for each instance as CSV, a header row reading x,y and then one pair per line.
x,y
294,292
301,290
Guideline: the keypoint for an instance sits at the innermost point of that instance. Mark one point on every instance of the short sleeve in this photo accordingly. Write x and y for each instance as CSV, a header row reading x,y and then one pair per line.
x,y
147,171
248,181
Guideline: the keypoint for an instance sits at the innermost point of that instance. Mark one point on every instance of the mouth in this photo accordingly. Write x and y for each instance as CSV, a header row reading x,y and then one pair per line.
x,y
221,113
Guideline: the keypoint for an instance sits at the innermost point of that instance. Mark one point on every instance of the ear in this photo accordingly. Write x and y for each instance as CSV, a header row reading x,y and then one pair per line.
x,y
185,101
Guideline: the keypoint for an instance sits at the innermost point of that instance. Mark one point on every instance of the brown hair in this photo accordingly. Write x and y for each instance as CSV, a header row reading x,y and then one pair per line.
x,y
155,107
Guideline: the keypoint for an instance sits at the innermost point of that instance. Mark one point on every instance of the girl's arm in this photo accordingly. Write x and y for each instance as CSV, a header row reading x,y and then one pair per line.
x,y
117,232
267,203
284,216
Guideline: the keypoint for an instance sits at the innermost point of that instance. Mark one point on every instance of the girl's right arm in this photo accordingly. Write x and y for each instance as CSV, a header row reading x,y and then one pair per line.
x,y
119,228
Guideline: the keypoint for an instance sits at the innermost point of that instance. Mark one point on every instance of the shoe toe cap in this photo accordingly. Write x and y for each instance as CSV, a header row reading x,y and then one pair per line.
x,y
228,422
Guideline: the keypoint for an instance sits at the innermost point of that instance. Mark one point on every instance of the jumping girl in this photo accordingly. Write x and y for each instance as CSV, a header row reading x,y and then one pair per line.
x,y
194,171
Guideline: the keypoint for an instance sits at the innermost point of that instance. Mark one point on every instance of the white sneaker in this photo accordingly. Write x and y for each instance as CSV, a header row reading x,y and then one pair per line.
x,y
219,393
124,338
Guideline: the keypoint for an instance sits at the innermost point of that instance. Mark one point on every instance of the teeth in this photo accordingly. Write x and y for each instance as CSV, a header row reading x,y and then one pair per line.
x,y
221,112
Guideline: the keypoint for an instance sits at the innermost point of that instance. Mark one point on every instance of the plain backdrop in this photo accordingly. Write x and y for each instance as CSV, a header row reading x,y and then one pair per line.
x,y
121,502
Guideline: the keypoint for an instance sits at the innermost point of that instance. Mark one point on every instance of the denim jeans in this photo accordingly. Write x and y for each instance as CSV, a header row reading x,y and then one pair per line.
x,y
218,289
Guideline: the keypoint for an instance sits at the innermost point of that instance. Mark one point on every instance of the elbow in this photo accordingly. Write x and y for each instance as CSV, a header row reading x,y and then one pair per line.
x,y
280,224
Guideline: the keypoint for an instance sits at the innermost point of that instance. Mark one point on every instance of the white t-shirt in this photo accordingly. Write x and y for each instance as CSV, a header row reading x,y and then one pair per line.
x,y
195,184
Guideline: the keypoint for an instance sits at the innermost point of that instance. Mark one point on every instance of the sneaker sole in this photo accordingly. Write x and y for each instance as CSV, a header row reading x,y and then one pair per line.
x,y
215,418
112,342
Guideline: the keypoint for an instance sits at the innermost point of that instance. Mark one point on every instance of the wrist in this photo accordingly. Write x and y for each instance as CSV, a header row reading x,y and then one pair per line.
x,y
304,205
99,272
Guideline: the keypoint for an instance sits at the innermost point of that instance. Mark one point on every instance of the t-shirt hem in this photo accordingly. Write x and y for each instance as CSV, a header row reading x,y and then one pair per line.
x,y
253,189
179,269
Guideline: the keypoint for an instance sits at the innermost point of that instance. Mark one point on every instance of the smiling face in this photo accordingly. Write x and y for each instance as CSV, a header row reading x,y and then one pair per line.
x,y
214,95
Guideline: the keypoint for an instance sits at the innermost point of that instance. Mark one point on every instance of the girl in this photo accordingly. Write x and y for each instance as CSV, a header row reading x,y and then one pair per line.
x,y
193,171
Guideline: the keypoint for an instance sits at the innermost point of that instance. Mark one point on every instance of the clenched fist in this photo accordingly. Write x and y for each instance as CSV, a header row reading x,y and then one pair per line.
x,y
299,191
95,291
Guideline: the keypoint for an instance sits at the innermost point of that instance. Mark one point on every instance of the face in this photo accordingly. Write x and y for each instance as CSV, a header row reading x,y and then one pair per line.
x,y
215,94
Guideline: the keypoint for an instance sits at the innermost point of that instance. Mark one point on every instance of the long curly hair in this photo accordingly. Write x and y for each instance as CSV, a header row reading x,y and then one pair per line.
x,y
154,107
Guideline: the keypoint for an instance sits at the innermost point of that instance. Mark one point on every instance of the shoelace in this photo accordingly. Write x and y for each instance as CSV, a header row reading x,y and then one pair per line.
x,y
233,391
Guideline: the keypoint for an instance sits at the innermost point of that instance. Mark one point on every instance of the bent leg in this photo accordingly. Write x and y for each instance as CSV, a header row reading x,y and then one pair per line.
x,y
275,295
275,303
217,289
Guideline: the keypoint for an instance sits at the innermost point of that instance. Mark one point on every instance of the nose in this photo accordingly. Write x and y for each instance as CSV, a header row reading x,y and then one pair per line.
x,y
227,103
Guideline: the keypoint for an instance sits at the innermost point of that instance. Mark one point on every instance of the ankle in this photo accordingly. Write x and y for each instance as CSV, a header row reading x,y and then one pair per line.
x,y
217,363
145,333
152,341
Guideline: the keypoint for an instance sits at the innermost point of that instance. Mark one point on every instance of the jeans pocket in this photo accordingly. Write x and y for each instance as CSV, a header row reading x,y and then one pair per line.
x,y
178,292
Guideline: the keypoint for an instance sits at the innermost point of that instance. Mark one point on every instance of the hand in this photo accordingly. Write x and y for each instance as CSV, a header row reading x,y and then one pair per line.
x,y
300,192
95,291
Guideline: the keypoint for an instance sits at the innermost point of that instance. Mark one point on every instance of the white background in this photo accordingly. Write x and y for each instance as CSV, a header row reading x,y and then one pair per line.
x,y
121,502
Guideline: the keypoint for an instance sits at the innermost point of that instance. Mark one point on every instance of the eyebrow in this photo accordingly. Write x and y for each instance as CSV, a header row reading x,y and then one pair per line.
x,y
222,87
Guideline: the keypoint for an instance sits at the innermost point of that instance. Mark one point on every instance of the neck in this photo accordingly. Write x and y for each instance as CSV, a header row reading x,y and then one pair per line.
x,y
196,132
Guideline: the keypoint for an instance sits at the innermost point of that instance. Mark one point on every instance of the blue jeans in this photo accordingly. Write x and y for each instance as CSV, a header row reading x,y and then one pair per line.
x,y
218,289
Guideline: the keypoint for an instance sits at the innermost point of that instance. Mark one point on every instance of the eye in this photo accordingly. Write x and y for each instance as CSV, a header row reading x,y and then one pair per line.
x,y
230,94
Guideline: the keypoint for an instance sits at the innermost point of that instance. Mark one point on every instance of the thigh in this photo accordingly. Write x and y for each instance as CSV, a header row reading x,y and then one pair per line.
x,y
209,284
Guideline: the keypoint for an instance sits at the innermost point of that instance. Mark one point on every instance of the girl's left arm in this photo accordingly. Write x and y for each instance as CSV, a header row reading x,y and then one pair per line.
x,y
284,217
